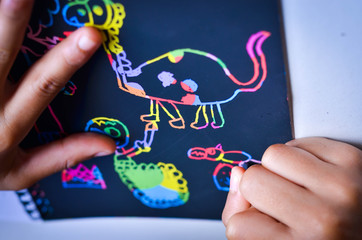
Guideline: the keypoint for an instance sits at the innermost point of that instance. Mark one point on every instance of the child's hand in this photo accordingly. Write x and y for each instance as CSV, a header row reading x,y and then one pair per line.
x,y
22,103
307,189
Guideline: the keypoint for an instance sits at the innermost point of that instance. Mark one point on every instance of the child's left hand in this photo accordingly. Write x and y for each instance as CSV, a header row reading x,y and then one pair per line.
x,y
22,103
309,188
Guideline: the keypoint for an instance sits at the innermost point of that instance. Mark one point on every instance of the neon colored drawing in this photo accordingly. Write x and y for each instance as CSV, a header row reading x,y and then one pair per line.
x,y
51,13
126,77
45,43
80,13
83,177
221,176
108,17
158,185
110,127
228,159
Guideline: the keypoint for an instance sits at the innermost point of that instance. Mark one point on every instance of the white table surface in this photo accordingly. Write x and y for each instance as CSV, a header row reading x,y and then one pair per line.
x,y
324,40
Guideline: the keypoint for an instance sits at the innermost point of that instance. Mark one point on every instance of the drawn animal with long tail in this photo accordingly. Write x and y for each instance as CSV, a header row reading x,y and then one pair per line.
x,y
108,16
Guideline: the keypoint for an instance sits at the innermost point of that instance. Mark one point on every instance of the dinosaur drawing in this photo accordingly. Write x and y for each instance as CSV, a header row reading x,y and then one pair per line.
x,y
108,16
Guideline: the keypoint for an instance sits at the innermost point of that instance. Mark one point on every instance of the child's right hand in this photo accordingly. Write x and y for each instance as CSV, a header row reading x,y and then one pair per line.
x,y
309,188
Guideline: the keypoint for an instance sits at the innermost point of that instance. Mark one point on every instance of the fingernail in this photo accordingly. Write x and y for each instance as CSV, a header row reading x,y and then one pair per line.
x,y
234,181
102,154
87,44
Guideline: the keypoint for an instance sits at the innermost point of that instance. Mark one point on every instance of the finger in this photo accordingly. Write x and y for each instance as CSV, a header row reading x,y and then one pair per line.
x,y
56,156
47,77
334,152
14,16
328,181
252,224
277,197
235,202
303,168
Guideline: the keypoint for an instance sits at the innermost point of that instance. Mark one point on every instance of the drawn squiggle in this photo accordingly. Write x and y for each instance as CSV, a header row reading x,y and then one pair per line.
x,y
85,13
29,204
80,13
35,196
158,185
83,177
228,159
221,176
51,13
47,43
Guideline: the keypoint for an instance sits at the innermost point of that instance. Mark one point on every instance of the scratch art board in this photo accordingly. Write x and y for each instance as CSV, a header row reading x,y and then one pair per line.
x,y
187,89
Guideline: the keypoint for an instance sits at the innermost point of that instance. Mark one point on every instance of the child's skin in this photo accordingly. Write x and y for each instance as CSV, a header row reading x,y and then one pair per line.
x,y
22,103
306,189
309,188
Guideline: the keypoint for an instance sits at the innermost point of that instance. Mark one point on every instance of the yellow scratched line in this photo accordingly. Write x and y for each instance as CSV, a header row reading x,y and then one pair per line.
x,y
114,21
158,58
197,114
204,113
167,112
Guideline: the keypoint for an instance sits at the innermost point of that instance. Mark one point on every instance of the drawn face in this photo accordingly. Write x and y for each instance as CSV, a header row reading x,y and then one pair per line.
x,y
198,153
221,176
110,127
85,12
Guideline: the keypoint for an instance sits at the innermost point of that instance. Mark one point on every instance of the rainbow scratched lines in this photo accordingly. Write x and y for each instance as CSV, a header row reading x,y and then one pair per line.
x,y
227,159
103,14
158,185
110,127
108,17
127,81
83,177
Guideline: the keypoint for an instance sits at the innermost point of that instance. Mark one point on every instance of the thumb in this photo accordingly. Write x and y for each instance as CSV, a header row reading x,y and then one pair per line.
x,y
235,202
45,160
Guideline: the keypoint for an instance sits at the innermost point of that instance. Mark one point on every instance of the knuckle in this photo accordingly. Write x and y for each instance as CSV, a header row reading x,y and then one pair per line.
x,y
68,161
347,193
328,223
354,157
233,229
250,180
273,152
48,85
